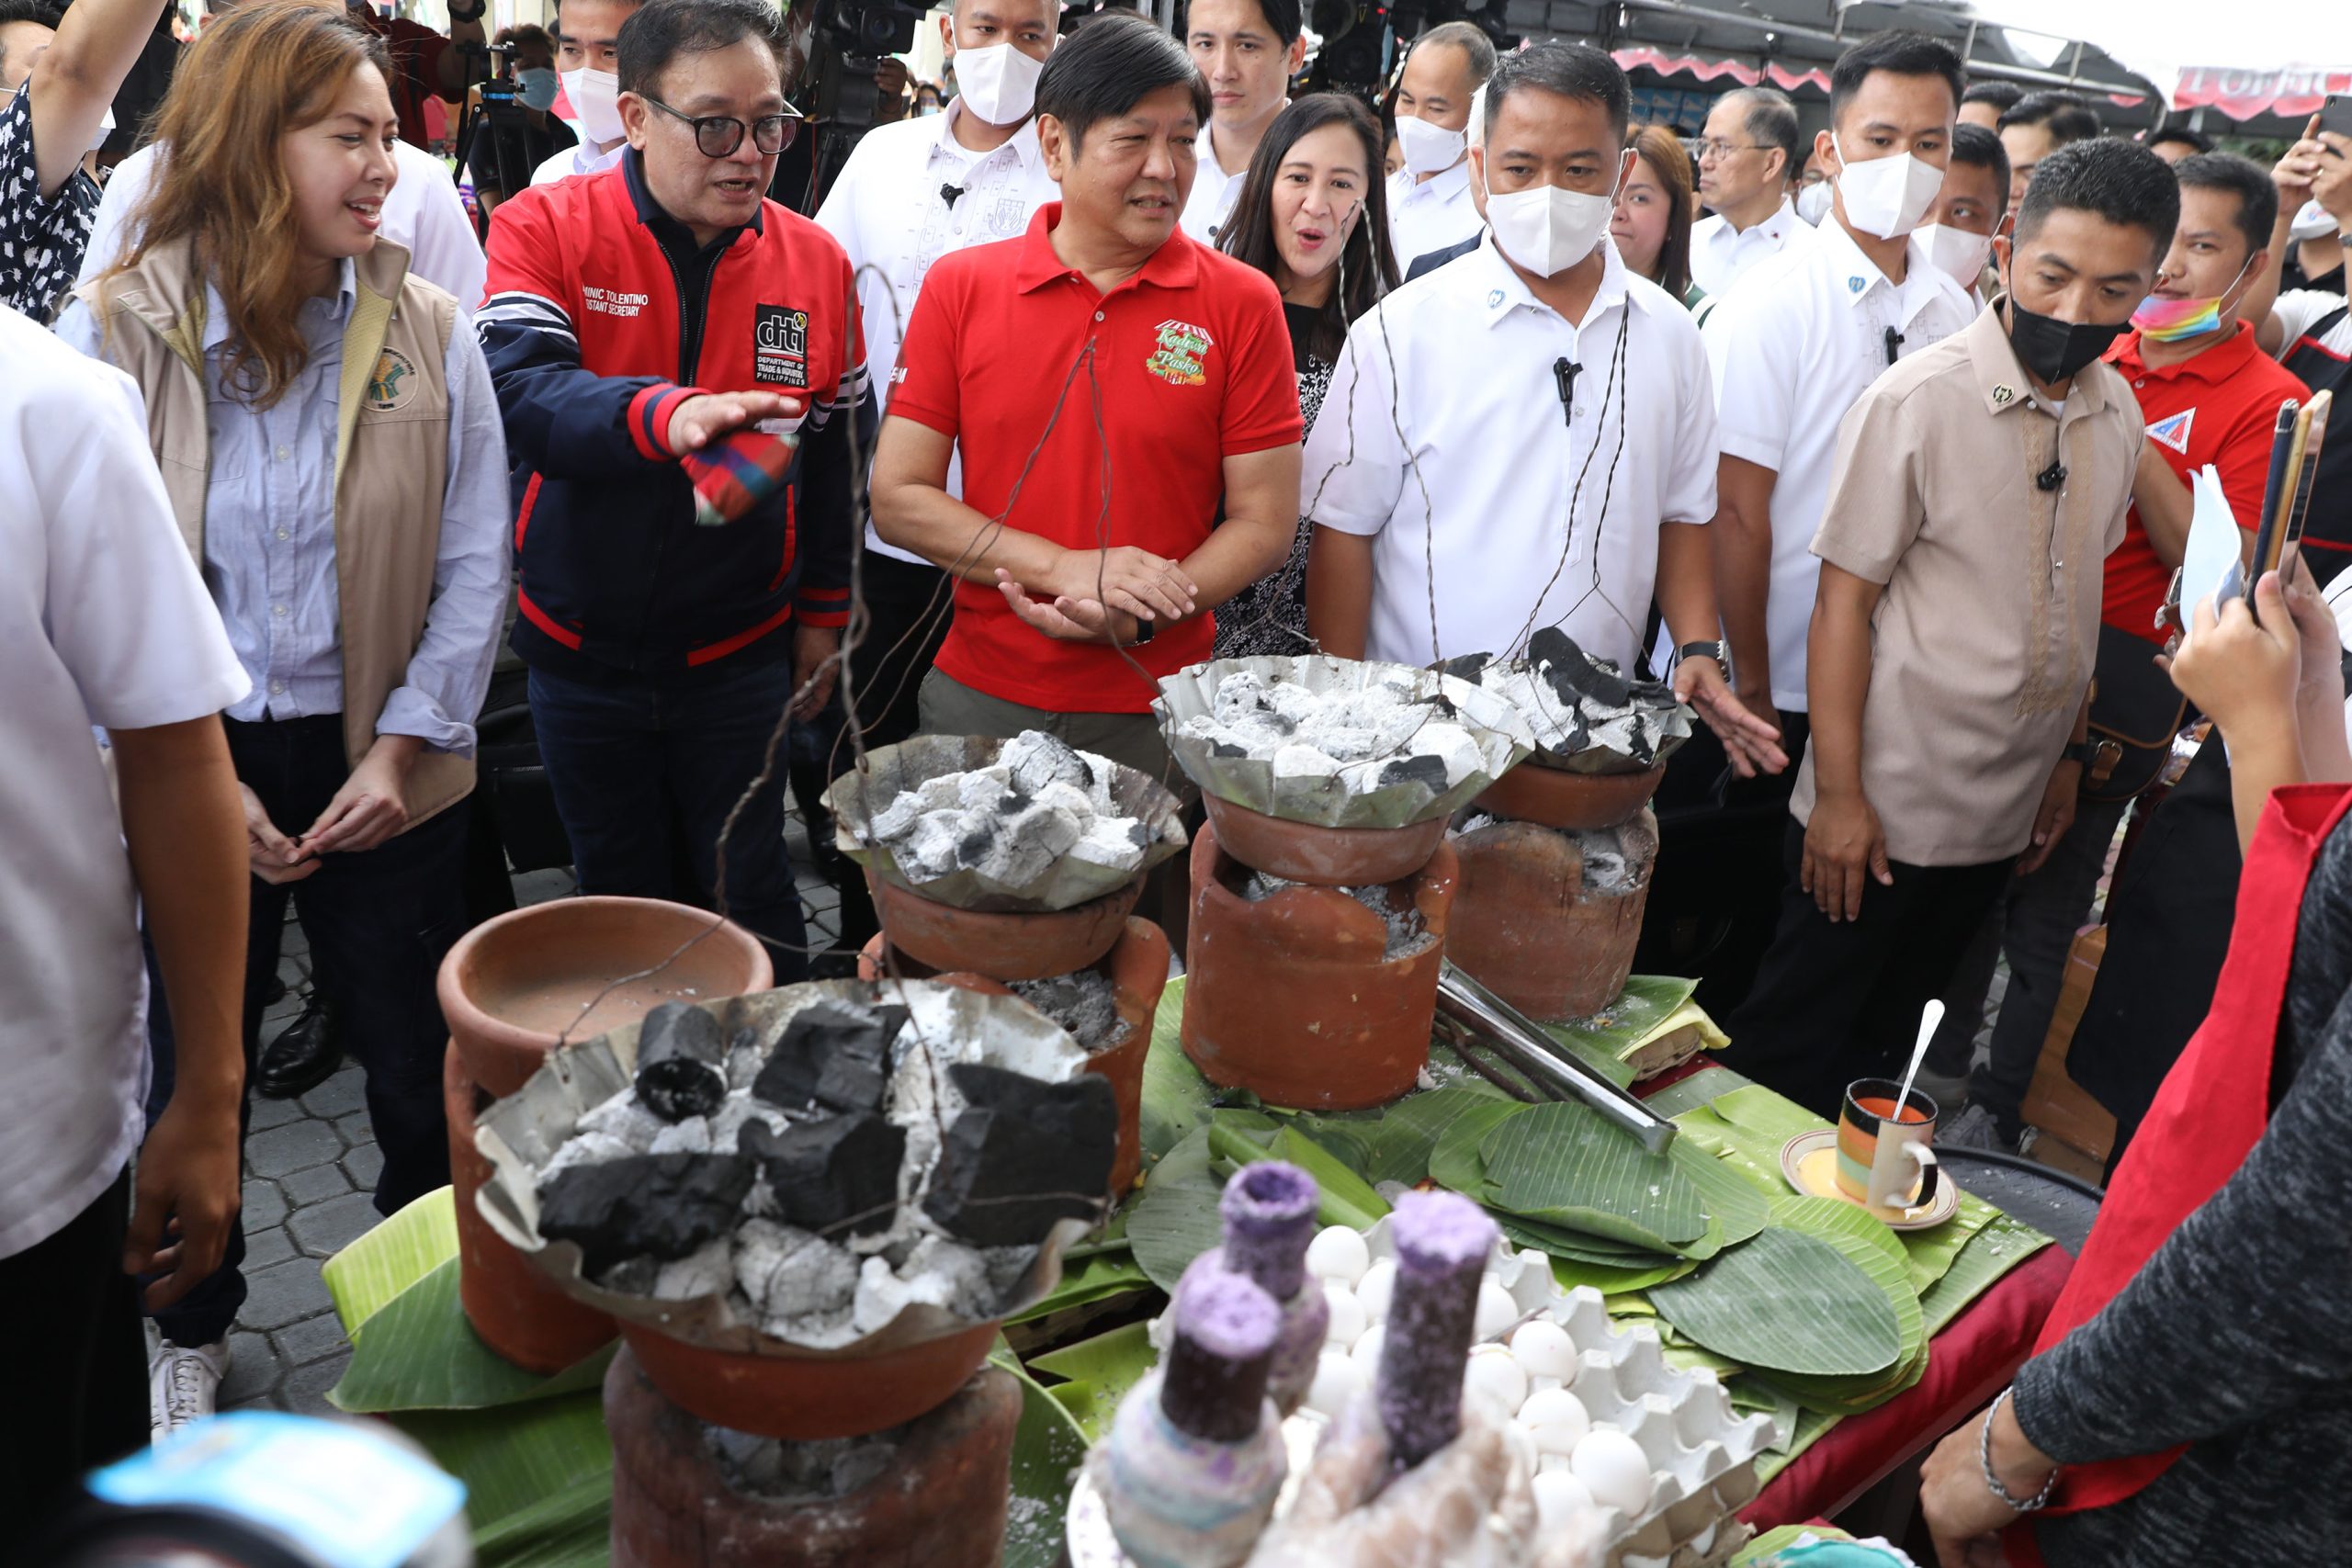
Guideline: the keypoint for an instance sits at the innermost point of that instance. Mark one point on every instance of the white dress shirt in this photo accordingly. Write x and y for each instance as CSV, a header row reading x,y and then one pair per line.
x,y
423,214
1478,414
105,622
1213,191
1792,347
1721,254
578,159
888,209
1430,215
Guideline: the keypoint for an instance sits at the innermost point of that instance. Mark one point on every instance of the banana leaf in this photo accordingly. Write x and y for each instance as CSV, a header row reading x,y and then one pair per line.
x,y
1105,1367
1612,1281
1576,1246
1593,1054
1787,1302
1047,1450
515,1459
392,1255
418,1352
1733,1199
571,1529
1095,1278
1343,1197
1175,1097
1561,1163
1871,1246
1619,1030
2001,1246
1759,1553
1175,1220
1398,1145
1455,1163
1688,1094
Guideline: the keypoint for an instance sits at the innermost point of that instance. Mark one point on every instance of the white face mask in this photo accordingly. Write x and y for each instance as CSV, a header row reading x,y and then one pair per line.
x,y
1813,201
596,99
1547,229
1887,196
1957,252
1428,149
999,82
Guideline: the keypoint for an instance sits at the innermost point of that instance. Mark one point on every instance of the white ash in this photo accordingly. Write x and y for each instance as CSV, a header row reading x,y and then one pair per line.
x,y
1569,719
1365,738
1085,1003
1408,932
1014,820
626,1122
1611,861
708,1270
938,1272
789,1473
691,1137
587,1148
796,1285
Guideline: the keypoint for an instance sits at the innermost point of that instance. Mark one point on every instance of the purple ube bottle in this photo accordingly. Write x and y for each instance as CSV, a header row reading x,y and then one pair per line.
x,y
1443,1241
1269,1212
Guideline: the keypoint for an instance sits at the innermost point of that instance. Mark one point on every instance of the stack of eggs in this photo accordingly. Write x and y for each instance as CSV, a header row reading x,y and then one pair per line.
x,y
1518,1371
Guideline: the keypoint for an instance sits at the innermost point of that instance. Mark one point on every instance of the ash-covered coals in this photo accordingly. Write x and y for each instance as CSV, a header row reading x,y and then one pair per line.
x,y
1012,821
1085,1003
1615,860
1408,932
858,1160
1367,738
801,1473
1579,705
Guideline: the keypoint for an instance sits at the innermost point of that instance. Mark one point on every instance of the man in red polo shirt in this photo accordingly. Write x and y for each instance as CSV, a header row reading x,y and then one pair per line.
x,y
1108,382
426,64
2209,395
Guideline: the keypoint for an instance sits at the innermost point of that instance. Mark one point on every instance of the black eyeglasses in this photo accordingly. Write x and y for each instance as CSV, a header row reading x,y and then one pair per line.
x,y
718,135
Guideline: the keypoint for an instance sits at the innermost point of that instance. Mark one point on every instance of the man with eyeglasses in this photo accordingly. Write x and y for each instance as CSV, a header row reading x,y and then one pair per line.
x,y
648,328
1746,152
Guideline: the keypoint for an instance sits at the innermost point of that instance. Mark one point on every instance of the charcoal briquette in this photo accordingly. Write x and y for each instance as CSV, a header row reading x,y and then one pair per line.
x,y
660,1206
1022,1154
681,1061
837,1177
1423,768
794,1075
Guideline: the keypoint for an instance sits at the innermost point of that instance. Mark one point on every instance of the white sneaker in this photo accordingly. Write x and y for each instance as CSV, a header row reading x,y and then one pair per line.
x,y
183,1383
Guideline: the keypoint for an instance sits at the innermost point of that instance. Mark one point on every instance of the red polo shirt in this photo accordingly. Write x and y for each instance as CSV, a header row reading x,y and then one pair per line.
x,y
416,51
1191,364
2218,407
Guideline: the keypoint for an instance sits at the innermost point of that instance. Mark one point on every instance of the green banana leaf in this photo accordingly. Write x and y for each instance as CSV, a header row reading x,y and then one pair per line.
x,y
392,1256
1576,1246
1047,1450
2001,1246
1097,1277
1175,1220
571,1529
1105,1367
1613,1282
516,1458
1786,1301
1689,1093
1455,1163
1561,1163
1733,1199
1398,1145
1871,1246
1594,1053
1647,1001
418,1352
1758,1553
1175,1097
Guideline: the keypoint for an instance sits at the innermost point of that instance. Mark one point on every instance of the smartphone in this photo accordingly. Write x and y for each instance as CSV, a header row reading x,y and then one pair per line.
x,y
2335,115
2297,441
2276,500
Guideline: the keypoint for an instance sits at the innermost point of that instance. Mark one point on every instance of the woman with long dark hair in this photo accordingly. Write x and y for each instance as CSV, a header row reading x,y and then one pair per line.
x,y
1312,216
1652,227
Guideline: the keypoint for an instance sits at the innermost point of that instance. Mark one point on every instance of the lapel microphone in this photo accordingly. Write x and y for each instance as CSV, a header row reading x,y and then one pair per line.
x,y
948,194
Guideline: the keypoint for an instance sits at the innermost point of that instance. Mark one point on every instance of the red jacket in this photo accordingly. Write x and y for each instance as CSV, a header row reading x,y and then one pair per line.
x,y
602,316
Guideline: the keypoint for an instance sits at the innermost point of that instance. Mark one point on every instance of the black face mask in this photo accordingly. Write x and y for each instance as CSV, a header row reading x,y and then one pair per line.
x,y
2054,350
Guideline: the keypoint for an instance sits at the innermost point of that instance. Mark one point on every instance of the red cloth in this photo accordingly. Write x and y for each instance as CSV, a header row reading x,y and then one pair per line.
x,y
1191,364
2208,1116
2218,407
416,51
1969,1362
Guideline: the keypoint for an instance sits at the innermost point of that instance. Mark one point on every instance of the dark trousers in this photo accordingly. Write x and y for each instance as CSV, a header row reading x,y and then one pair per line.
x,y
1833,1002
909,608
78,1378
645,770
379,921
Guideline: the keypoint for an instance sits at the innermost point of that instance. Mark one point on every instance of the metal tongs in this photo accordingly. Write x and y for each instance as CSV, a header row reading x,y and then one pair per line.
x,y
1519,1041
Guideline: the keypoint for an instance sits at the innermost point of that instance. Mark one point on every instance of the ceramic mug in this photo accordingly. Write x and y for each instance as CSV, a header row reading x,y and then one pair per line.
x,y
1881,1155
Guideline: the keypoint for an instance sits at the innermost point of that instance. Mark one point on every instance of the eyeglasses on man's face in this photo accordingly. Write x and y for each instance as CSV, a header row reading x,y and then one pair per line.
x,y
718,135
1709,150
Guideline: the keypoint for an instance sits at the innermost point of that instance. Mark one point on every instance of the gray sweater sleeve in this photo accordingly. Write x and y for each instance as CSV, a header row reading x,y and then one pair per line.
x,y
2247,1306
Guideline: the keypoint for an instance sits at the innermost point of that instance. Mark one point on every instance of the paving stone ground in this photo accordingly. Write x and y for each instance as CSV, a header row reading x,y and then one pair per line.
x,y
311,1165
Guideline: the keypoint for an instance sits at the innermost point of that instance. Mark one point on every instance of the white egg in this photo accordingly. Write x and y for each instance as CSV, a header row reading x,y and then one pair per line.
x,y
1347,1321
1337,1253
1556,1419
1337,1381
1613,1468
1374,1289
1495,1378
1544,1350
1559,1498
1367,1353
1497,1311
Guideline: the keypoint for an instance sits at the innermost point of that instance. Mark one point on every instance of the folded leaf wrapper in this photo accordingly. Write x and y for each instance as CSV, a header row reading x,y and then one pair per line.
x,y
521,1134
856,798
1498,730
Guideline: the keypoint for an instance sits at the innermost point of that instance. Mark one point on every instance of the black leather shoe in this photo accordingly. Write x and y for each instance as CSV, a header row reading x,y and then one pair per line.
x,y
304,1055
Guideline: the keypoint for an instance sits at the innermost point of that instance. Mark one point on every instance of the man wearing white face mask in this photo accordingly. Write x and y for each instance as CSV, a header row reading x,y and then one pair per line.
x,y
587,59
1792,347
909,194
1550,453
57,83
1430,205
1970,209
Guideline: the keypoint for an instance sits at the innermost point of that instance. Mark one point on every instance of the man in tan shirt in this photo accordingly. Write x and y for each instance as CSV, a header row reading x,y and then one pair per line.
x,y
1978,487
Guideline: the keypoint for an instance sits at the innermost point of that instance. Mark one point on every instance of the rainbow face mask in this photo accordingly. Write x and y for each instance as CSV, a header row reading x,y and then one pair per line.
x,y
2172,320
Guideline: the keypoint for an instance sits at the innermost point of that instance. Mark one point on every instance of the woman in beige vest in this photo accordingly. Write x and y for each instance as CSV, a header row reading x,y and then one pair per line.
x,y
328,436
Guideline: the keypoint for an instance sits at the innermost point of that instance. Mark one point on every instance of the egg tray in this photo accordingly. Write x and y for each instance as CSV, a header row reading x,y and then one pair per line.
x,y
1703,1456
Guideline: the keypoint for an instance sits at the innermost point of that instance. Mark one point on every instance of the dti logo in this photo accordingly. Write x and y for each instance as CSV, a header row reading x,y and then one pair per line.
x,y
784,331
780,345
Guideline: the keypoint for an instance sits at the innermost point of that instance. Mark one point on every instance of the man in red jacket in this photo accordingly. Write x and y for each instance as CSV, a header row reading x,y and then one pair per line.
x,y
636,316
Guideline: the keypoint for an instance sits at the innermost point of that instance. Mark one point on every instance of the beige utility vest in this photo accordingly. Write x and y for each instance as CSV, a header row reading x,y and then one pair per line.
x,y
392,459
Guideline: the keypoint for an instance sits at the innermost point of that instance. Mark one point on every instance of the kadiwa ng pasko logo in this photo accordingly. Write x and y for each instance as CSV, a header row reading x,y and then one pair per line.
x,y
1180,353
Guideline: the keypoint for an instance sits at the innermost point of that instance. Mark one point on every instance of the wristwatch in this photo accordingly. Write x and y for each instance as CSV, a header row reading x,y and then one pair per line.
x,y
1718,650
1144,630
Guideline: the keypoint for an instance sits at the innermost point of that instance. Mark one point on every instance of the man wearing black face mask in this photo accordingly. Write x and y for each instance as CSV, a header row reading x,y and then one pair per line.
x,y
1977,488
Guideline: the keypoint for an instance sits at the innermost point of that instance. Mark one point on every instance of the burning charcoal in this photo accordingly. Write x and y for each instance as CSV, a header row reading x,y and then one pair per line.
x,y
1466,666
1117,842
853,1080
1227,749
794,1075
660,1206
1426,769
1571,671
838,1176
1035,759
681,1061
1022,1154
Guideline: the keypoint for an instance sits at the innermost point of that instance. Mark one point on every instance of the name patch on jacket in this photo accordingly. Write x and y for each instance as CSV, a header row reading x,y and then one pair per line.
x,y
780,345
